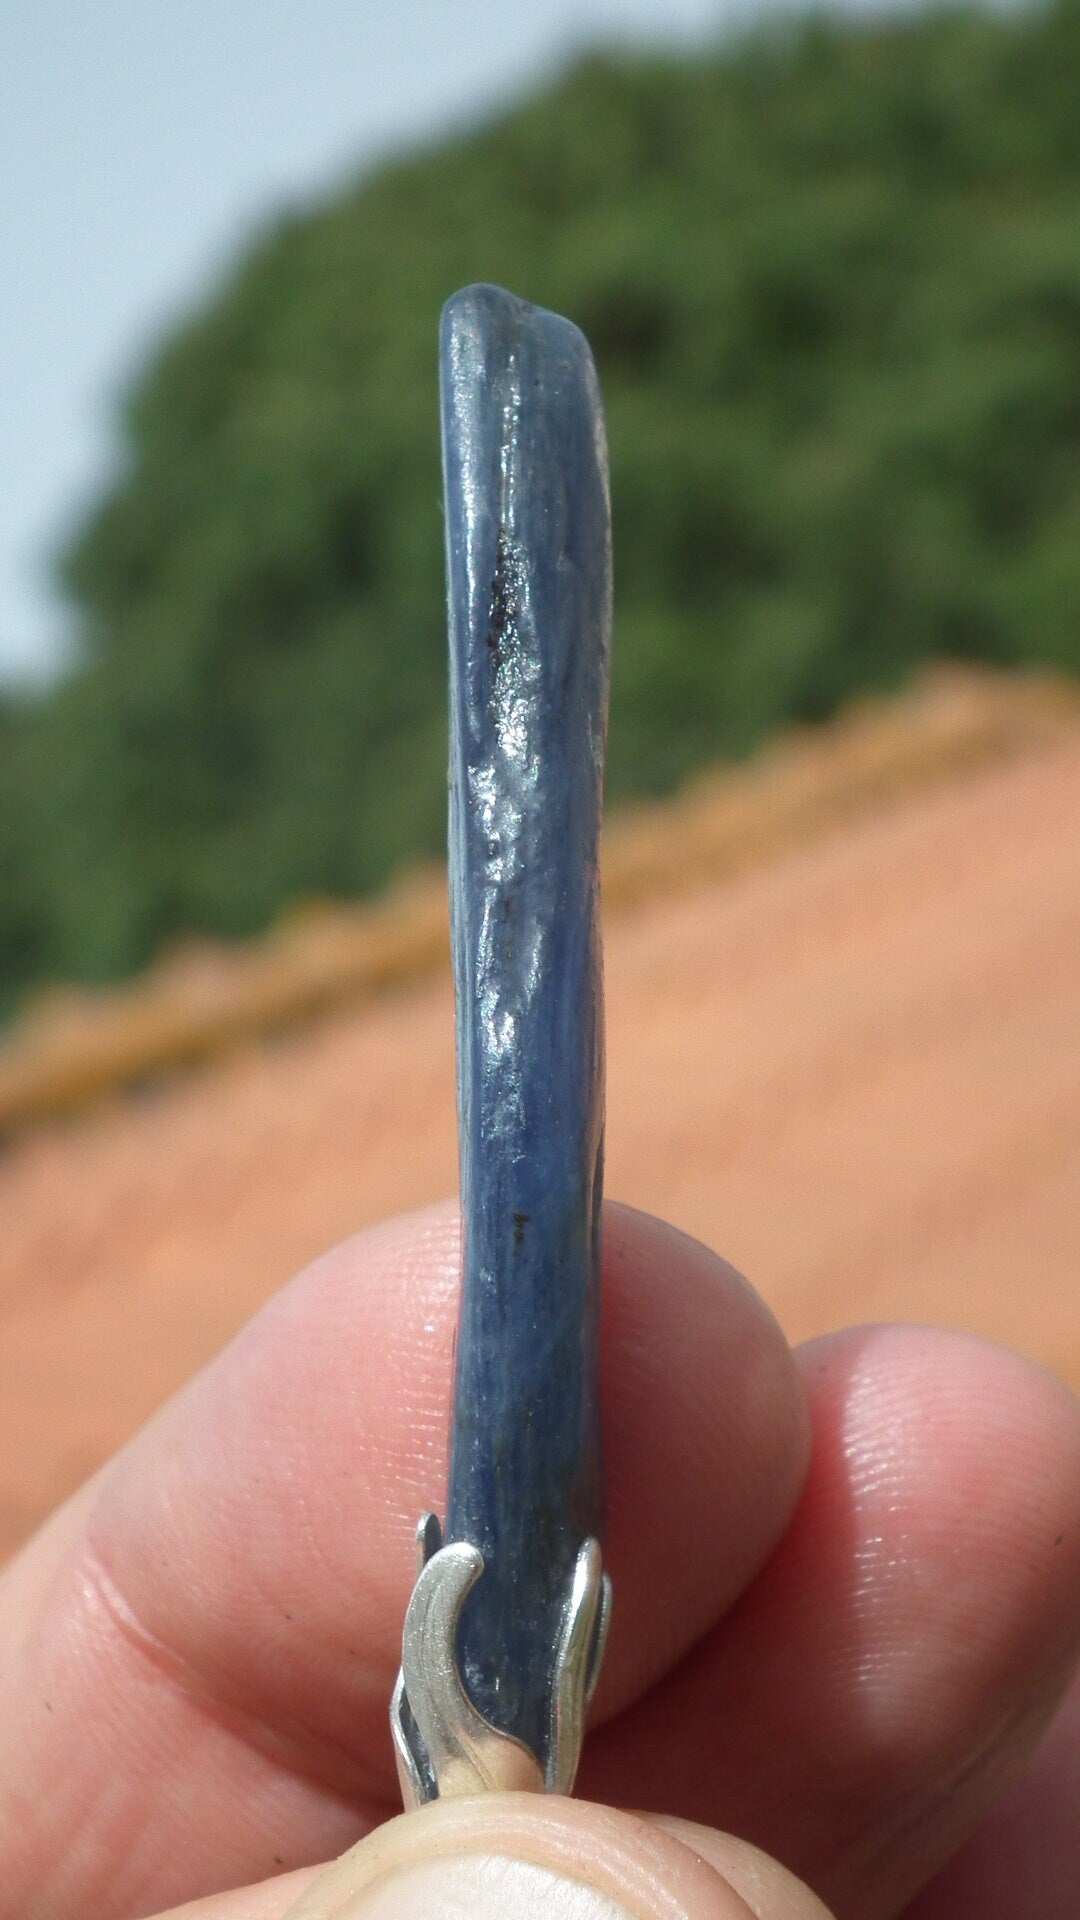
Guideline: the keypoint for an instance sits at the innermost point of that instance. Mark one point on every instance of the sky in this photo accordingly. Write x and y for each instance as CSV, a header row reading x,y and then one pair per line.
x,y
141,142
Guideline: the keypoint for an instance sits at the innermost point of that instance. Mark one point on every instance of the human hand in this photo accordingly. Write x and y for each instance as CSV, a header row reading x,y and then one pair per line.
x,y
846,1669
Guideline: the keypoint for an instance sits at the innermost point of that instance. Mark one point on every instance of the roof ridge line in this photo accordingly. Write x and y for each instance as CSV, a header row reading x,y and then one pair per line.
x,y
72,1048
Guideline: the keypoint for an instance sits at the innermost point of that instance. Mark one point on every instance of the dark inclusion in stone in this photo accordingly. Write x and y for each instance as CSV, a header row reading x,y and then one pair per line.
x,y
529,570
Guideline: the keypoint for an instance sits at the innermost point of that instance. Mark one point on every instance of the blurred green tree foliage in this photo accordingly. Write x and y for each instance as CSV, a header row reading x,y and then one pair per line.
x,y
832,279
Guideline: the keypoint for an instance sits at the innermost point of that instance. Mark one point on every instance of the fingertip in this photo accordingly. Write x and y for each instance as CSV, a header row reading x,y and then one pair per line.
x,y
770,1891
894,1664
942,1517
511,1856
968,1455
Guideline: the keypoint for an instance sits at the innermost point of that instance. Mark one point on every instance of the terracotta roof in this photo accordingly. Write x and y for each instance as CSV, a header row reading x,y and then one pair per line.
x,y
843,1015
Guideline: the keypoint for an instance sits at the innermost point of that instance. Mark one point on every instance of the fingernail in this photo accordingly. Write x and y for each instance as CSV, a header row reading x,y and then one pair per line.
x,y
482,1886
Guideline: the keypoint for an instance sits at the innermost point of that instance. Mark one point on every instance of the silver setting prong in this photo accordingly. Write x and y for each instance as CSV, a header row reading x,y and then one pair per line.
x,y
443,1745
577,1665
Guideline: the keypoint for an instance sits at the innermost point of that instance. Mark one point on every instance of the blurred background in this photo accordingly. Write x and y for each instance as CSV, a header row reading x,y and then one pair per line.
x,y
830,270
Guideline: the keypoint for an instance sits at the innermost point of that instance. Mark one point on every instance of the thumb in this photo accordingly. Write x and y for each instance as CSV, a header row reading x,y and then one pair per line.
x,y
523,1856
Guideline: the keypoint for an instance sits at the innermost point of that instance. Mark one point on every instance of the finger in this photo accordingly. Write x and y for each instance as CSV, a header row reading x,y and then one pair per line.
x,y
530,1857
270,1900
205,1642
893,1666
1023,1863
767,1887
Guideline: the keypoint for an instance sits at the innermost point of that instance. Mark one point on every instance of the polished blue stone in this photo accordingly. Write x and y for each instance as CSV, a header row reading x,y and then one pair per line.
x,y
529,580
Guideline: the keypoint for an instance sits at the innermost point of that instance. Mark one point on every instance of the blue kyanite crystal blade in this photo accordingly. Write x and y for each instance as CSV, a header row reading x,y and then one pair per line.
x,y
529,568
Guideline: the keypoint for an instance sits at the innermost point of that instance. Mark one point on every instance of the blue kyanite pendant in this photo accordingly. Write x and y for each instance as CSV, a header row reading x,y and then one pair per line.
x,y
505,1629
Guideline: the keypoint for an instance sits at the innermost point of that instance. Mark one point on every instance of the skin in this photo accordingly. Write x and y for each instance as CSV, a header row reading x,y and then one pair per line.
x,y
847,1613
